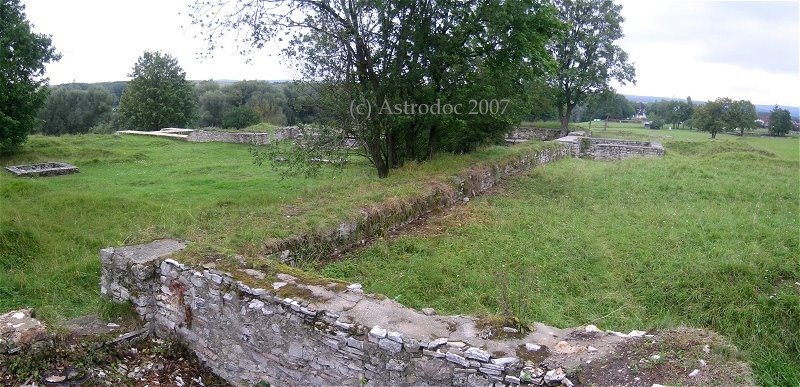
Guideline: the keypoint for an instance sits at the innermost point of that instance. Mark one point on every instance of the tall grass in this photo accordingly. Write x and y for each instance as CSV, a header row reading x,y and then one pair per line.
x,y
705,237
133,189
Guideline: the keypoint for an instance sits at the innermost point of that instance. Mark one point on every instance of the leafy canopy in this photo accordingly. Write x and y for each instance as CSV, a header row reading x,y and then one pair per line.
x,y
586,54
724,114
398,51
69,110
780,121
240,117
23,55
159,95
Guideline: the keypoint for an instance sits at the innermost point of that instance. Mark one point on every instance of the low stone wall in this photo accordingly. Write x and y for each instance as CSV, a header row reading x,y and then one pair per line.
x,y
250,326
52,168
611,149
287,132
279,134
527,133
381,218
618,152
242,138
611,141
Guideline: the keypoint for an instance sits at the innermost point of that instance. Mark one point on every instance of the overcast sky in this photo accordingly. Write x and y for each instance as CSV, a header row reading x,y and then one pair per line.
x,y
702,49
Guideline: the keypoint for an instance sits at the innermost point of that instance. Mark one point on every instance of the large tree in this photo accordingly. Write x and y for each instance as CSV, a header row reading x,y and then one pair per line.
x,y
780,121
724,114
608,105
266,99
742,115
672,111
384,53
158,96
586,54
212,106
711,116
689,112
23,55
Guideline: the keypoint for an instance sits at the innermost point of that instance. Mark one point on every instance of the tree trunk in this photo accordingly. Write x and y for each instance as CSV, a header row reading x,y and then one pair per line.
x,y
383,171
713,134
391,154
376,156
409,142
565,120
432,134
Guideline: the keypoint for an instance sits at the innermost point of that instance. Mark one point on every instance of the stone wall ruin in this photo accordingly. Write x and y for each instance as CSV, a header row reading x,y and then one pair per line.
x,y
611,149
249,325
253,324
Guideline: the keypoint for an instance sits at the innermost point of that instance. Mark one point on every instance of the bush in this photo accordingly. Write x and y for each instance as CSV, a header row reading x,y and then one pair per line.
x,y
239,117
657,123
102,128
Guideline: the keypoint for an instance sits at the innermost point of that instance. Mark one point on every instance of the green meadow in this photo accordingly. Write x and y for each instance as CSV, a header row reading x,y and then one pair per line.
x,y
705,237
708,236
134,189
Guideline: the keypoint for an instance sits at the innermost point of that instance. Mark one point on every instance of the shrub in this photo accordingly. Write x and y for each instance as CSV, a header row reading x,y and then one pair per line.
x,y
657,123
102,128
239,117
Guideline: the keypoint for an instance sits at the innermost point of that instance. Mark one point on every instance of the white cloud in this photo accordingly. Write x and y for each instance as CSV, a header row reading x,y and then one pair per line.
x,y
100,40
713,49
680,48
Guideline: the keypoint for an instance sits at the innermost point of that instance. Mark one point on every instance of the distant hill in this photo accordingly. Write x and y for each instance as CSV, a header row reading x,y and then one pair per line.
x,y
760,109
649,99
229,81
793,110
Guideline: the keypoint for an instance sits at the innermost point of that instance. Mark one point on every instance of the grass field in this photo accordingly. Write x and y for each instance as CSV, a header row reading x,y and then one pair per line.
x,y
708,236
134,189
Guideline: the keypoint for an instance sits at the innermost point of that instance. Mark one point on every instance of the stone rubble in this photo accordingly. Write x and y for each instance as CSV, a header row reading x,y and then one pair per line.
x,y
20,331
591,328
554,377
532,347
428,311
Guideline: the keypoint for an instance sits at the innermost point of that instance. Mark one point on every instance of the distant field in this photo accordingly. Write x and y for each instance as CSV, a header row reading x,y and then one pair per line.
x,y
705,237
133,189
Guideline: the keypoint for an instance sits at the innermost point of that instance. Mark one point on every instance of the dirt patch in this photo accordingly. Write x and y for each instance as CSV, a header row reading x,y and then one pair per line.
x,y
685,357
91,326
93,363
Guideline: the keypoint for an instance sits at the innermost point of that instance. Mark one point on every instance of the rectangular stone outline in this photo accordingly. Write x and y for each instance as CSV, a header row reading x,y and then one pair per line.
x,y
51,168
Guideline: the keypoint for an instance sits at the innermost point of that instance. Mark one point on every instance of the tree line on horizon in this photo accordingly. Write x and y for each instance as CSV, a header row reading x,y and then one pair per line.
x,y
95,108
